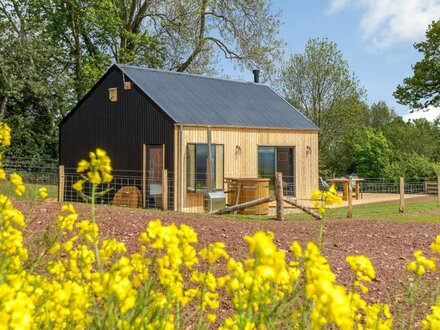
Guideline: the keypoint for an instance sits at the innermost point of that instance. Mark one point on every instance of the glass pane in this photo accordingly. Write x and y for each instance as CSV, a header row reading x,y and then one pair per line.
x,y
219,172
201,165
266,163
285,165
190,167
155,164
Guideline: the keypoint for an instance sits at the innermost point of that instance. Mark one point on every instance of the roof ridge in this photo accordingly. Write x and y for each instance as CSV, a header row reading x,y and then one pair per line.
x,y
122,66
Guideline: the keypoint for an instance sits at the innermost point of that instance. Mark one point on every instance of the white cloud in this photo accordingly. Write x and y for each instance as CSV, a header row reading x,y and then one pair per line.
x,y
336,5
388,22
431,114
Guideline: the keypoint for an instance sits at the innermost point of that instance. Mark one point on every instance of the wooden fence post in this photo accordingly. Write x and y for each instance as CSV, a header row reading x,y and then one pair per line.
x,y
165,190
438,191
402,195
350,197
279,195
144,175
61,184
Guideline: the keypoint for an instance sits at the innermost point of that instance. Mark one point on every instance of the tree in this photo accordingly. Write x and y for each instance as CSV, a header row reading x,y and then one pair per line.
x,y
319,84
371,153
179,35
380,115
33,84
423,89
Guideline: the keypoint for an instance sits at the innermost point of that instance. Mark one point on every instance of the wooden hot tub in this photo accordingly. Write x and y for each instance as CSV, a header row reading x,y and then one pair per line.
x,y
242,190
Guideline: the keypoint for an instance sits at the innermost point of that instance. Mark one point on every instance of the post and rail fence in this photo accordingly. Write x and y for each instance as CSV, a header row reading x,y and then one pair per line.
x,y
157,189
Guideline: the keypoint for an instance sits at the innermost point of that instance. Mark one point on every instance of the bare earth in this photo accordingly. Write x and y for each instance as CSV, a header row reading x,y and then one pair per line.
x,y
389,245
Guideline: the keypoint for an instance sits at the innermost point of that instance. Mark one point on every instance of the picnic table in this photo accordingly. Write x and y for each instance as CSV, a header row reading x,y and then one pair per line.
x,y
344,181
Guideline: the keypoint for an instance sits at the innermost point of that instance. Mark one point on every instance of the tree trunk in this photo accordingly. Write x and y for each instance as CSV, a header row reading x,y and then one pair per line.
x,y
3,107
201,39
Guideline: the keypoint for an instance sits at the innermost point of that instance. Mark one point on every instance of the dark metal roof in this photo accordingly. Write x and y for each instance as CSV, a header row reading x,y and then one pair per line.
x,y
193,99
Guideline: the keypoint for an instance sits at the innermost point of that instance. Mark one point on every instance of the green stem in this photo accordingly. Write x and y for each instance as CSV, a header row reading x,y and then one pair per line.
x,y
321,233
96,242
202,296
412,301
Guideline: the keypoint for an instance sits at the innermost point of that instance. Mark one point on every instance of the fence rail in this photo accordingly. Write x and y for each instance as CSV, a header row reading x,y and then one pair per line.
x,y
149,188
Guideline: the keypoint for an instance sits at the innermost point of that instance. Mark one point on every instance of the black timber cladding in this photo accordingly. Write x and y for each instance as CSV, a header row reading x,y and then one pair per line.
x,y
120,128
192,99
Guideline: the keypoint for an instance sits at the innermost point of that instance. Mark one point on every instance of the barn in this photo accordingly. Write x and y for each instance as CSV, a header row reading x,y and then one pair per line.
x,y
201,130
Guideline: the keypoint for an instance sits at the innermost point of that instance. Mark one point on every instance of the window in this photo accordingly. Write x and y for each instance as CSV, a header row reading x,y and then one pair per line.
x,y
199,178
277,159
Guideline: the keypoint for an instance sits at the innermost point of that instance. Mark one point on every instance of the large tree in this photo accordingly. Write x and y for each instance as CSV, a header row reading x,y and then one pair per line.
x,y
33,81
179,35
53,51
423,89
320,85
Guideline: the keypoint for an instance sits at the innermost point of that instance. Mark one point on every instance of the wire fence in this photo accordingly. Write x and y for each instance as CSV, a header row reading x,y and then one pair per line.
x,y
130,188
369,186
32,172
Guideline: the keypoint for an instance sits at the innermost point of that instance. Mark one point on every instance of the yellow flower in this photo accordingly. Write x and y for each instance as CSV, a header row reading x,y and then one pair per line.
x,y
363,268
432,321
295,248
17,180
5,134
43,192
421,263
94,177
78,185
2,174
435,246
211,317
214,252
83,165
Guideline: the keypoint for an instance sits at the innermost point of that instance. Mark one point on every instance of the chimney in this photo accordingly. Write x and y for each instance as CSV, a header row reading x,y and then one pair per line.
x,y
256,73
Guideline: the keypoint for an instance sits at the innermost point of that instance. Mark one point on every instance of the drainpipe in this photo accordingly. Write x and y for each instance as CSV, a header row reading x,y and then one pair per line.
x,y
181,168
209,165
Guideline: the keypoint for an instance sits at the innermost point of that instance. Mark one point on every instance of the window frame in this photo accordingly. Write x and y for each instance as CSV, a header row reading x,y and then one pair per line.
x,y
193,173
294,167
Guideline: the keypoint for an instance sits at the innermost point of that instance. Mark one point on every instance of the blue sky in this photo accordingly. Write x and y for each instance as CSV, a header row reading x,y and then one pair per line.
x,y
376,38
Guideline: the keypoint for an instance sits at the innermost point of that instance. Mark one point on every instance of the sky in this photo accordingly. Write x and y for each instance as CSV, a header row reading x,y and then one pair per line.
x,y
376,38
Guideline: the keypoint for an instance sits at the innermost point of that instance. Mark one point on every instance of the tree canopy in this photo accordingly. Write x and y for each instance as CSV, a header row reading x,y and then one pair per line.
x,y
320,85
177,35
53,51
423,89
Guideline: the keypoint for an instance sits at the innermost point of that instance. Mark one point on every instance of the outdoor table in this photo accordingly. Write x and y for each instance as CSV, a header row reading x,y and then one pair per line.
x,y
344,182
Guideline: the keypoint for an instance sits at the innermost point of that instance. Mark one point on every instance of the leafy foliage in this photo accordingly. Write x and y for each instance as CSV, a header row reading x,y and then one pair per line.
x,y
53,51
319,84
371,153
423,89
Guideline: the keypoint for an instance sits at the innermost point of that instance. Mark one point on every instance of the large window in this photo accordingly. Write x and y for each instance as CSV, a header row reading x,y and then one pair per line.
x,y
277,159
199,177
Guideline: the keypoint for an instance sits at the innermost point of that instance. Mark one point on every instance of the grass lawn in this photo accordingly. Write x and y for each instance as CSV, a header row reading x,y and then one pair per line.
x,y
423,211
31,192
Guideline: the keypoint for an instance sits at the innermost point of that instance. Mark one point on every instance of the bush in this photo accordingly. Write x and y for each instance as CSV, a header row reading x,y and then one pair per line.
x,y
413,168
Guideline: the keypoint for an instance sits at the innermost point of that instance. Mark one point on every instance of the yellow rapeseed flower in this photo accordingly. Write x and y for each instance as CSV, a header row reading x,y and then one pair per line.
x,y
78,185
432,321
17,180
362,267
5,134
421,264
435,246
43,192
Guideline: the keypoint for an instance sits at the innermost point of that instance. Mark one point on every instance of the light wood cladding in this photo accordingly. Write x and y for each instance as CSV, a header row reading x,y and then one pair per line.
x,y
242,161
